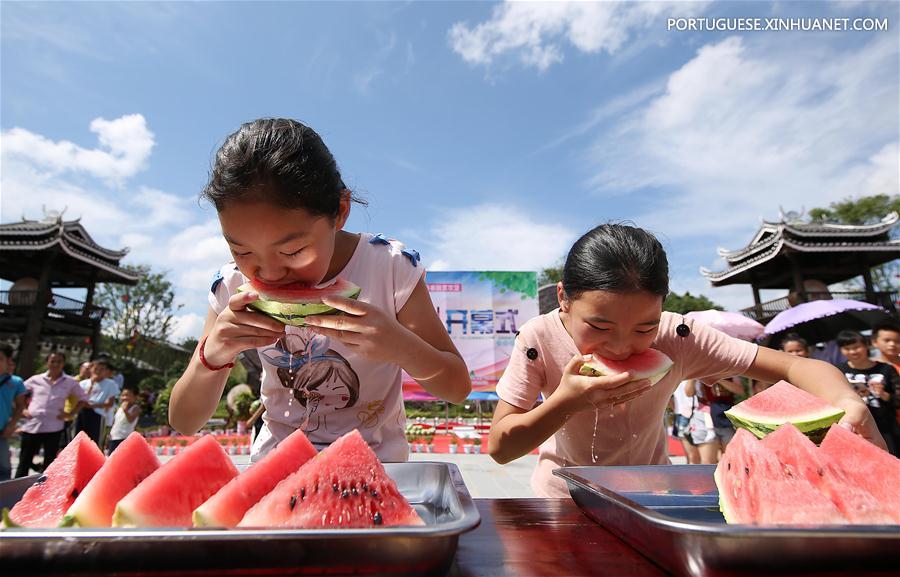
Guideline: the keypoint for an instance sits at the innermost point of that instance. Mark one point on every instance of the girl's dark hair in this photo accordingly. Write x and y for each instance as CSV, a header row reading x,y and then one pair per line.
x,y
617,258
848,337
279,161
794,338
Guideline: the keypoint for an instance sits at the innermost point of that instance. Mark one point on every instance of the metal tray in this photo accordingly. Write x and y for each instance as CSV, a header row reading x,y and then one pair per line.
x,y
670,514
436,491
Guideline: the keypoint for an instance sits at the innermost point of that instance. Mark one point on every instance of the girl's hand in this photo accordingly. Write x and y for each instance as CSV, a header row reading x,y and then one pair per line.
x,y
363,327
237,329
583,392
858,419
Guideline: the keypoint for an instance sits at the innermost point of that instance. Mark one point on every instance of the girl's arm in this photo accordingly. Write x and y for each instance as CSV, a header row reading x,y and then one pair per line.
x,y
733,385
822,380
690,388
428,354
132,413
516,432
197,393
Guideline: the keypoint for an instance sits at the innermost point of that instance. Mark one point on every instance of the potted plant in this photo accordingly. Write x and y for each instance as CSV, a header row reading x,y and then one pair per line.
x,y
454,444
476,445
429,439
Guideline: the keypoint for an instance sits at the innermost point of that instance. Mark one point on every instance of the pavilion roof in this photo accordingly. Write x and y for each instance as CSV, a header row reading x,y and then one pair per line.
x,y
829,252
83,260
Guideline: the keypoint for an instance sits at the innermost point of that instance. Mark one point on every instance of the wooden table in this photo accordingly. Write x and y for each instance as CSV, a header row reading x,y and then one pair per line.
x,y
531,537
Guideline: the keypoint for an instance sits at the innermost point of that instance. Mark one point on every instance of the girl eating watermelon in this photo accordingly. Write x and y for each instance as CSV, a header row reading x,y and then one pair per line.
x,y
337,314
609,411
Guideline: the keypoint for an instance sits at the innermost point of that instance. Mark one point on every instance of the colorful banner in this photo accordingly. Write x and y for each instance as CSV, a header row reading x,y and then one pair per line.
x,y
482,311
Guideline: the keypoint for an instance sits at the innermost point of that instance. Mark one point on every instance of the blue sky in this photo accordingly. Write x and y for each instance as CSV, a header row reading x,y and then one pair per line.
x,y
485,135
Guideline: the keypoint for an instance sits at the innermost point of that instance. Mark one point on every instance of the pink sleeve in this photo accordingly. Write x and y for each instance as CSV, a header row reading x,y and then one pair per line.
x,y
523,379
76,391
710,355
224,284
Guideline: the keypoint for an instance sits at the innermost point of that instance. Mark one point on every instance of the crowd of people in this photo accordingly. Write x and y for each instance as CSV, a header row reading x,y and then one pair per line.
x,y
48,409
870,364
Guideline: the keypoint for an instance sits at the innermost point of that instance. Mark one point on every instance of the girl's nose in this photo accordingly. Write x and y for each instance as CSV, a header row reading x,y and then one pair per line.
x,y
270,274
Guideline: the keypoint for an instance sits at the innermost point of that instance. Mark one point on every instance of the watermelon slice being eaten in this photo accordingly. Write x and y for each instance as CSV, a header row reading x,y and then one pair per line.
x,y
650,364
291,303
45,502
784,403
344,486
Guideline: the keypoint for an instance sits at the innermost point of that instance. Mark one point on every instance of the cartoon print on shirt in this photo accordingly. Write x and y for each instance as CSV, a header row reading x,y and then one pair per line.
x,y
368,417
320,379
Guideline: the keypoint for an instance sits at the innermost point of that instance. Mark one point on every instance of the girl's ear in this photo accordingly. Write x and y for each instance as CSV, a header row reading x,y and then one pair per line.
x,y
561,298
343,210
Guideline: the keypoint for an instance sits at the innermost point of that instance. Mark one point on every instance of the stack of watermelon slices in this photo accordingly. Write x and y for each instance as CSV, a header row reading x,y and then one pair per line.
x,y
786,480
344,486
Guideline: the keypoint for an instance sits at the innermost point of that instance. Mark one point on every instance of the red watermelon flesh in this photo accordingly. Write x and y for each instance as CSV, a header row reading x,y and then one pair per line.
x,y
755,489
802,459
171,493
344,486
650,364
867,466
45,502
132,462
227,507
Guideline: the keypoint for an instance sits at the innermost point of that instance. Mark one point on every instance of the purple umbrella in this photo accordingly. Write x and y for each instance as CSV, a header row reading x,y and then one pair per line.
x,y
732,324
820,321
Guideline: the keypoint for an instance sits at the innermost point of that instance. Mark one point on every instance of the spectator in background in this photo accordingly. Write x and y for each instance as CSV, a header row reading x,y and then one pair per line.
x,y
684,407
111,373
874,381
12,404
711,430
794,344
44,415
886,338
84,372
101,394
126,417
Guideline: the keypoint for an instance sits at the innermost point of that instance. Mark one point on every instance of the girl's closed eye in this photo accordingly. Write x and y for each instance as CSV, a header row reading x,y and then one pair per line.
x,y
295,253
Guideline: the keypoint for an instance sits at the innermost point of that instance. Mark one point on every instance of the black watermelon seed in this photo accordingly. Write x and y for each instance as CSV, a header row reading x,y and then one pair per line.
x,y
747,471
376,518
345,493
293,502
334,487
74,493
374,493
40,479
820,472
354,491
303,493
728,466
365,486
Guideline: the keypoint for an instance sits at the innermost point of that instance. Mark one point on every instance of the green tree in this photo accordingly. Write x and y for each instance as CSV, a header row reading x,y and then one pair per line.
x,y
138,317
687,302
865,210
551,275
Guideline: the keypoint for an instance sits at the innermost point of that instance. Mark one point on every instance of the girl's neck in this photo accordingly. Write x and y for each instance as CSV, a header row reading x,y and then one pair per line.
x,y
345,244
866,364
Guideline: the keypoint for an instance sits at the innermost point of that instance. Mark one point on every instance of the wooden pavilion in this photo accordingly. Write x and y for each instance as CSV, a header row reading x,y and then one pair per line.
x,y
805,257
40,256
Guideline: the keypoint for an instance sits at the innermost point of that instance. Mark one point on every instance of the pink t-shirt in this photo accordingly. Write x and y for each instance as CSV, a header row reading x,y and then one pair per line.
x,y
628,434
312,382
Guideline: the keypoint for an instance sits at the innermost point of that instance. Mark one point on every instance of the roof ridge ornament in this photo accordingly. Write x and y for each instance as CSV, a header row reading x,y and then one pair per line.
x,y
791,216
52,216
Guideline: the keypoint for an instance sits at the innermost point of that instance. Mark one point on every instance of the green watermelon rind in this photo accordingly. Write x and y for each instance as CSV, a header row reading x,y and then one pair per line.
x,y
294,313
7,523
813,426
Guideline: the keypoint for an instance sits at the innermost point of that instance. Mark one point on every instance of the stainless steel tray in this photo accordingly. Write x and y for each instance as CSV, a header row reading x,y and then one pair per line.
x,y
436,490
670,513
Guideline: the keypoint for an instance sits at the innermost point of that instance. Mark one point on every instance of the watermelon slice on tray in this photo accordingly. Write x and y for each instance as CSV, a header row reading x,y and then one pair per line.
x,y
802,459
291,303
231,502
344,486
132,462
784,403
168,497
754,488
650,364
45,502
866,466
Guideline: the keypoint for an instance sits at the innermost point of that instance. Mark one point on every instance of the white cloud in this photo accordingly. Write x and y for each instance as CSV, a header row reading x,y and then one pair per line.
x,y
536,31
200,243
744,128
188,325
496,237
125,146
